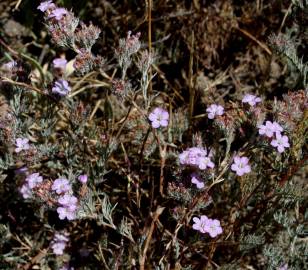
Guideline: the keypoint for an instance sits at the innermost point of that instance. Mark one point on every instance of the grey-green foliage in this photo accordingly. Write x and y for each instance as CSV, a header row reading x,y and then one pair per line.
x,y
251,241
286,44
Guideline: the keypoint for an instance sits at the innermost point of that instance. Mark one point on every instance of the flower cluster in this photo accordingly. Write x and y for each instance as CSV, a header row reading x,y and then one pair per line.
x,y
67,202
127,47
273,130
196,156
252,100
63,26
240,165
31,182
214,110
59,243
159,118
207,225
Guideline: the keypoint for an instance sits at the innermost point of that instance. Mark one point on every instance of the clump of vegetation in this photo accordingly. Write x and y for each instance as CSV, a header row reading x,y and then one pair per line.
x,y
180,144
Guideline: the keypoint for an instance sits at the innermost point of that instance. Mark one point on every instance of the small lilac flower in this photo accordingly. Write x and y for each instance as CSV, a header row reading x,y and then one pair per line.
x,y
61,185
270,128
159,117
22,144
213,227
65,212
59,243
205,162
61,87
25,191
283,267
59,63
240,165
33,180
198,183
252,100
214,110
281,142
58,13
58,248
68,201
46,5
200,224
83,178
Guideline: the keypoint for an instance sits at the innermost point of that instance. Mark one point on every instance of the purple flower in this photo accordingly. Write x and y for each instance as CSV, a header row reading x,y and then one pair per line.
x,y
59,63
213,227
83,178
59,243
198,183
61,87
65,212
58,13
240,165
68,201
281,142
25,191
200,224
33,180
270,128
46,5
61,185
159,117
252,100
205,162
196,156
22,144
214,110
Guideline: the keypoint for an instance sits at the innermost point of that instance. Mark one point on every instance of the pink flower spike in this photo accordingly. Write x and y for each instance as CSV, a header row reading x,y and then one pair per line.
x,y
213,227
252,100
159,118
214,110
281,142
240,165
198,183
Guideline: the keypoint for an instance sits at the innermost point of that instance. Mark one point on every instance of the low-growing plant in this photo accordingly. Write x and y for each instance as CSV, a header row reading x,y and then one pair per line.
x,y
101,169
